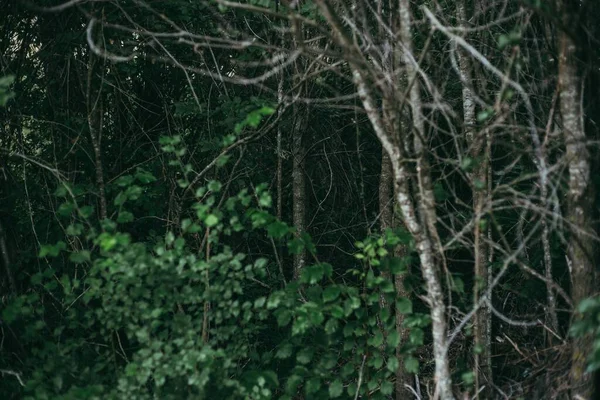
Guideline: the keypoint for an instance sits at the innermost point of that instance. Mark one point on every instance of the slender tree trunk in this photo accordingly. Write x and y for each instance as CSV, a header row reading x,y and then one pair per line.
x,y
386,200
6,260
95,123
476,143
299,185
580,197
427,240
418,220
279,150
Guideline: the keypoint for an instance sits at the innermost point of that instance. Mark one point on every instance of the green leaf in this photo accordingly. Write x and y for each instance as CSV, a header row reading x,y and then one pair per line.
x,y
124,217
393,339
312,274
418,320
337,311
86,211
222,160
439,193
5,93
214,186
61,191
144,176
377,361
376,340
479,184
467,163
458,285
260,302
588,305
336,389
312,386
484,115
283,317
74,229
305,355
392,364
503,41
386,388
265,199
277,229
52,250
284,351
416,336
468,377
295,246
404,305
120,199
266,110
107,241
331,293
398,265
124,180
65,209
211,220
80,257
411,364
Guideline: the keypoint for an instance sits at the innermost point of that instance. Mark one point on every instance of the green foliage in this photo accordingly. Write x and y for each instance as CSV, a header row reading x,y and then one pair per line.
x,y
5,93
589,325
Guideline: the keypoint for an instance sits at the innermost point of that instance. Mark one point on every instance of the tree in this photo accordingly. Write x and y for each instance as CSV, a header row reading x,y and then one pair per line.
x,y
431,167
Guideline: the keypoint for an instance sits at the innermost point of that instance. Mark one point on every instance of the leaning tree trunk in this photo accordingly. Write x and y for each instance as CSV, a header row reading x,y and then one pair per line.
x,y
580,198
476,143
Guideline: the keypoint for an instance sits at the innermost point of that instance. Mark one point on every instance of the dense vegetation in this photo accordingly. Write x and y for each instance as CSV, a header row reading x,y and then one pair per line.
x,y
299,200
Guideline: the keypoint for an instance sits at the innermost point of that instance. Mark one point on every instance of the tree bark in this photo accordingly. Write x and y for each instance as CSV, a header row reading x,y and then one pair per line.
x,y
95,123
580,201
386,216
476,144
299,185
426,238
418,220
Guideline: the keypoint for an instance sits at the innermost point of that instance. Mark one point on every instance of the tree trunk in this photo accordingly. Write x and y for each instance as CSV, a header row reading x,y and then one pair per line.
x,y
426,238
580,198
420,221
95,123
476,144
386,206
299,185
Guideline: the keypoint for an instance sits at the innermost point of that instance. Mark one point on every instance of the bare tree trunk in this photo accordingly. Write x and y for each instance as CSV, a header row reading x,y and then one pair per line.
x,y
476,143
580,196
420,221
299,185
279,149
550,298
6,260
426,238
386,202
94,116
